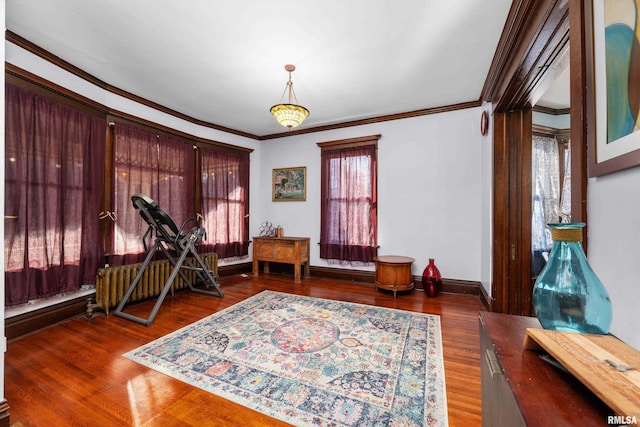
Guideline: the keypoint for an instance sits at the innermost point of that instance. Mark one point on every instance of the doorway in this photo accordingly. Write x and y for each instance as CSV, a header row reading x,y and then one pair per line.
x,y
527,57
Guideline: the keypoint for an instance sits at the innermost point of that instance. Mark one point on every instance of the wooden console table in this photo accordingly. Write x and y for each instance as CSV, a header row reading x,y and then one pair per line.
x,y
393,273
520,389
288,250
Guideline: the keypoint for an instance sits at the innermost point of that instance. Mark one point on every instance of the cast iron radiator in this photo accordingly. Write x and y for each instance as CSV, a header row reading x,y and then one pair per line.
x,y
113,282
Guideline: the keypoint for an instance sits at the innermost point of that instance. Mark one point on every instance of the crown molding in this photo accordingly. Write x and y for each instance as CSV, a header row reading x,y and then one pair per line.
x,y
48,56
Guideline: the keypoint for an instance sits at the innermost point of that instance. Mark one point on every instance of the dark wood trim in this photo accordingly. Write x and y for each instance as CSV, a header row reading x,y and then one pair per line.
x,y
349,142
5,415
559,134
551,111
519,128
343,274
371,120
582,108
36,50
535,35
24,79
234,269
501,176
512,204
37,84
454,286
38,319
486,300
115,116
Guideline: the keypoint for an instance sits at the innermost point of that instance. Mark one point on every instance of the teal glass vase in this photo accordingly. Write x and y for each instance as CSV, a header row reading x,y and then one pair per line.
x,y
568,296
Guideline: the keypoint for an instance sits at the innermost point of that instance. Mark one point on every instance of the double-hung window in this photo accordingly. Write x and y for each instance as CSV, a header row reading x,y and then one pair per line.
x,y
349,218
54,172
158,166
224,203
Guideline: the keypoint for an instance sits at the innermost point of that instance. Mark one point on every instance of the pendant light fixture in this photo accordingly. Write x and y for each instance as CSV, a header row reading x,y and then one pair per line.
x,y
289,114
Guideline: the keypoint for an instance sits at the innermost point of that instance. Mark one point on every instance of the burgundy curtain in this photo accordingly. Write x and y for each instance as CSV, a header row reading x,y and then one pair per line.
x,y
348,229
158,166
225,189
54,172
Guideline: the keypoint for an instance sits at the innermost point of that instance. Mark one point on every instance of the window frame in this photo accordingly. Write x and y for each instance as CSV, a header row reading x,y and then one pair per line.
x,y
332,246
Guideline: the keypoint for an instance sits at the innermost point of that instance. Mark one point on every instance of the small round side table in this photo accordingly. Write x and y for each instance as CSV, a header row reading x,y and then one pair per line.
x,y
393,272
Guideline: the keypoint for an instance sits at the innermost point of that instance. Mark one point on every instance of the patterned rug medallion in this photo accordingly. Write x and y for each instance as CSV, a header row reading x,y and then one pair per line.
x,y
312,362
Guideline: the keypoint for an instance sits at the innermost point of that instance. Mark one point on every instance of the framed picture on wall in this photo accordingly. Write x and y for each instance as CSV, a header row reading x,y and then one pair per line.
x,y
617,86
289,184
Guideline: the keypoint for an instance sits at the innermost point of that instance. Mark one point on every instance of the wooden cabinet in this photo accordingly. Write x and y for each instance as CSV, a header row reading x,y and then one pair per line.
x,y
393,273
288,250
520,389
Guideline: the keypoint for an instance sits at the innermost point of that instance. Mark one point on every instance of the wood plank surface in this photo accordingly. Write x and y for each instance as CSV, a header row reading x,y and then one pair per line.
x,y
594,360
546,396
73,373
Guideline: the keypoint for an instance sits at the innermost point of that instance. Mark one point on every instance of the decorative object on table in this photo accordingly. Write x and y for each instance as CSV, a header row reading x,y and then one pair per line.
x,y
267,229
289,114
568,296
279,231
289,184
312,361
431,279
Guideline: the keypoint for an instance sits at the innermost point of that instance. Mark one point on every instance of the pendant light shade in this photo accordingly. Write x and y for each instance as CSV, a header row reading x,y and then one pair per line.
x,y
289,114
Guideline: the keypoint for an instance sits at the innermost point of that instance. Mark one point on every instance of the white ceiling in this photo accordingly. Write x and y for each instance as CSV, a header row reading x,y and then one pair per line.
x,y
223,61
558,94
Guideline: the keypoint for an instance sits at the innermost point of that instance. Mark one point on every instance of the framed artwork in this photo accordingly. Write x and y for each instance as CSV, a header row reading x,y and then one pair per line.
x,y
616,59
289,184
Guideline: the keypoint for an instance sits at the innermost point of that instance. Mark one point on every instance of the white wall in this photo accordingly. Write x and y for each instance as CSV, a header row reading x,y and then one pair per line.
x,y
486,237
614,246
434,183
432,189
556,121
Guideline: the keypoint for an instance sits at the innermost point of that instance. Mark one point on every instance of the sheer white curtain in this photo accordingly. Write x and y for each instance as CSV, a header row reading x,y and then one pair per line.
x,y
546,191
565,196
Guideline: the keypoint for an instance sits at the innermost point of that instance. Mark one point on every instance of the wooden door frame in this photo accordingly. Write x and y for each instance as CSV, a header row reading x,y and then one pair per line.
x,y
535,37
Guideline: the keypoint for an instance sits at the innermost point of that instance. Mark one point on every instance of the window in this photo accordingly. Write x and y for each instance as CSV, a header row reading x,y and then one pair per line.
x,y
551,188
155,165
224,204
348,229
54,174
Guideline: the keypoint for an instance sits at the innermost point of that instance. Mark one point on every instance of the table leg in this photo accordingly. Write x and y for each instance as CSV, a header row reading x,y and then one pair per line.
x,y
255,267
296,272
307,272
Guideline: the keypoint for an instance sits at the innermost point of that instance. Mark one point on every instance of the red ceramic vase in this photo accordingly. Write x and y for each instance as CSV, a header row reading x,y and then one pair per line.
x,y
431,280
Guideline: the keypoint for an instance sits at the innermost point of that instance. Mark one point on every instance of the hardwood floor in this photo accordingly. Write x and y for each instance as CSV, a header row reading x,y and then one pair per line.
x,y
73,374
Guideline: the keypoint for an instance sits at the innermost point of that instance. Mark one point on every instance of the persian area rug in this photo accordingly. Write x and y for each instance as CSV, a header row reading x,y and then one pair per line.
x,y
312,362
